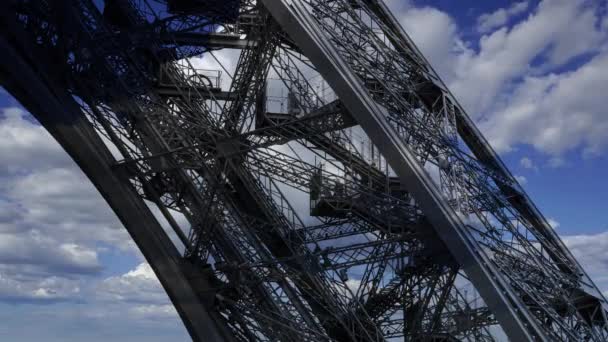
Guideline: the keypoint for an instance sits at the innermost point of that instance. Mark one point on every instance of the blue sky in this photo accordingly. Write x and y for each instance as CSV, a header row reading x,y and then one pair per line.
x,y
533,74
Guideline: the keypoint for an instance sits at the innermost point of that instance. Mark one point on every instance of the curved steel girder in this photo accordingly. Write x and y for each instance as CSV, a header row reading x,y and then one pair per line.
x,y
55,109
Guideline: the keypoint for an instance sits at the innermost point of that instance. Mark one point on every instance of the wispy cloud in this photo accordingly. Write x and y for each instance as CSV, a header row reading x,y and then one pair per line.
x,y
488,21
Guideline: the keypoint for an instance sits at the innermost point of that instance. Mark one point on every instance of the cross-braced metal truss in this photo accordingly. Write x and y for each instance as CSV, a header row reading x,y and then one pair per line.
x,y
332,186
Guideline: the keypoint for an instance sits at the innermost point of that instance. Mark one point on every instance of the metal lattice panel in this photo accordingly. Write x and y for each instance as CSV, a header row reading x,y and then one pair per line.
x,y
334,188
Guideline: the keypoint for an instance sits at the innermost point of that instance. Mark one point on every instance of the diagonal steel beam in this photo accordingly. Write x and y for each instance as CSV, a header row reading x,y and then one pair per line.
x,y
297,21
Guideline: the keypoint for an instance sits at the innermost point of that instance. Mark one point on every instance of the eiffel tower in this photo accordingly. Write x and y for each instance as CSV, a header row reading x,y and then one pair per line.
x,y
333,187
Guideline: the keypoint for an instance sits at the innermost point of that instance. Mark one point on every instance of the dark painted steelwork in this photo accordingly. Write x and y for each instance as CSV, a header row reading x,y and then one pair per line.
x,y
333,188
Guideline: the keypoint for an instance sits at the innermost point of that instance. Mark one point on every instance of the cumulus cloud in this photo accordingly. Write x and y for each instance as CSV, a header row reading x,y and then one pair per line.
x,y
61,205
554,34
139,285
516,82
512,81
35,249
521,179
526,163
154,312
130,306
53,222
556,113
54,227
590,250
38,290
437,36
25,145
553,223
140,292
488,21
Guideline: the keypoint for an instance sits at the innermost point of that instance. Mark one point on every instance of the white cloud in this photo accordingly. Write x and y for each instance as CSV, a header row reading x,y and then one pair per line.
x,y
54,228
131,306
590,251
436,34
556,162
139,292
513,83
397,6
64,202
487,22
527,163
521,179
50,289
224,61
25,145
153,312
556,113
34,248
553,223
139,285
546,39
51,219
517,86
53,222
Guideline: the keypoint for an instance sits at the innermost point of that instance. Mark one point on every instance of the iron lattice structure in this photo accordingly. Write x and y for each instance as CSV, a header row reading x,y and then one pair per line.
x,y
332,186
